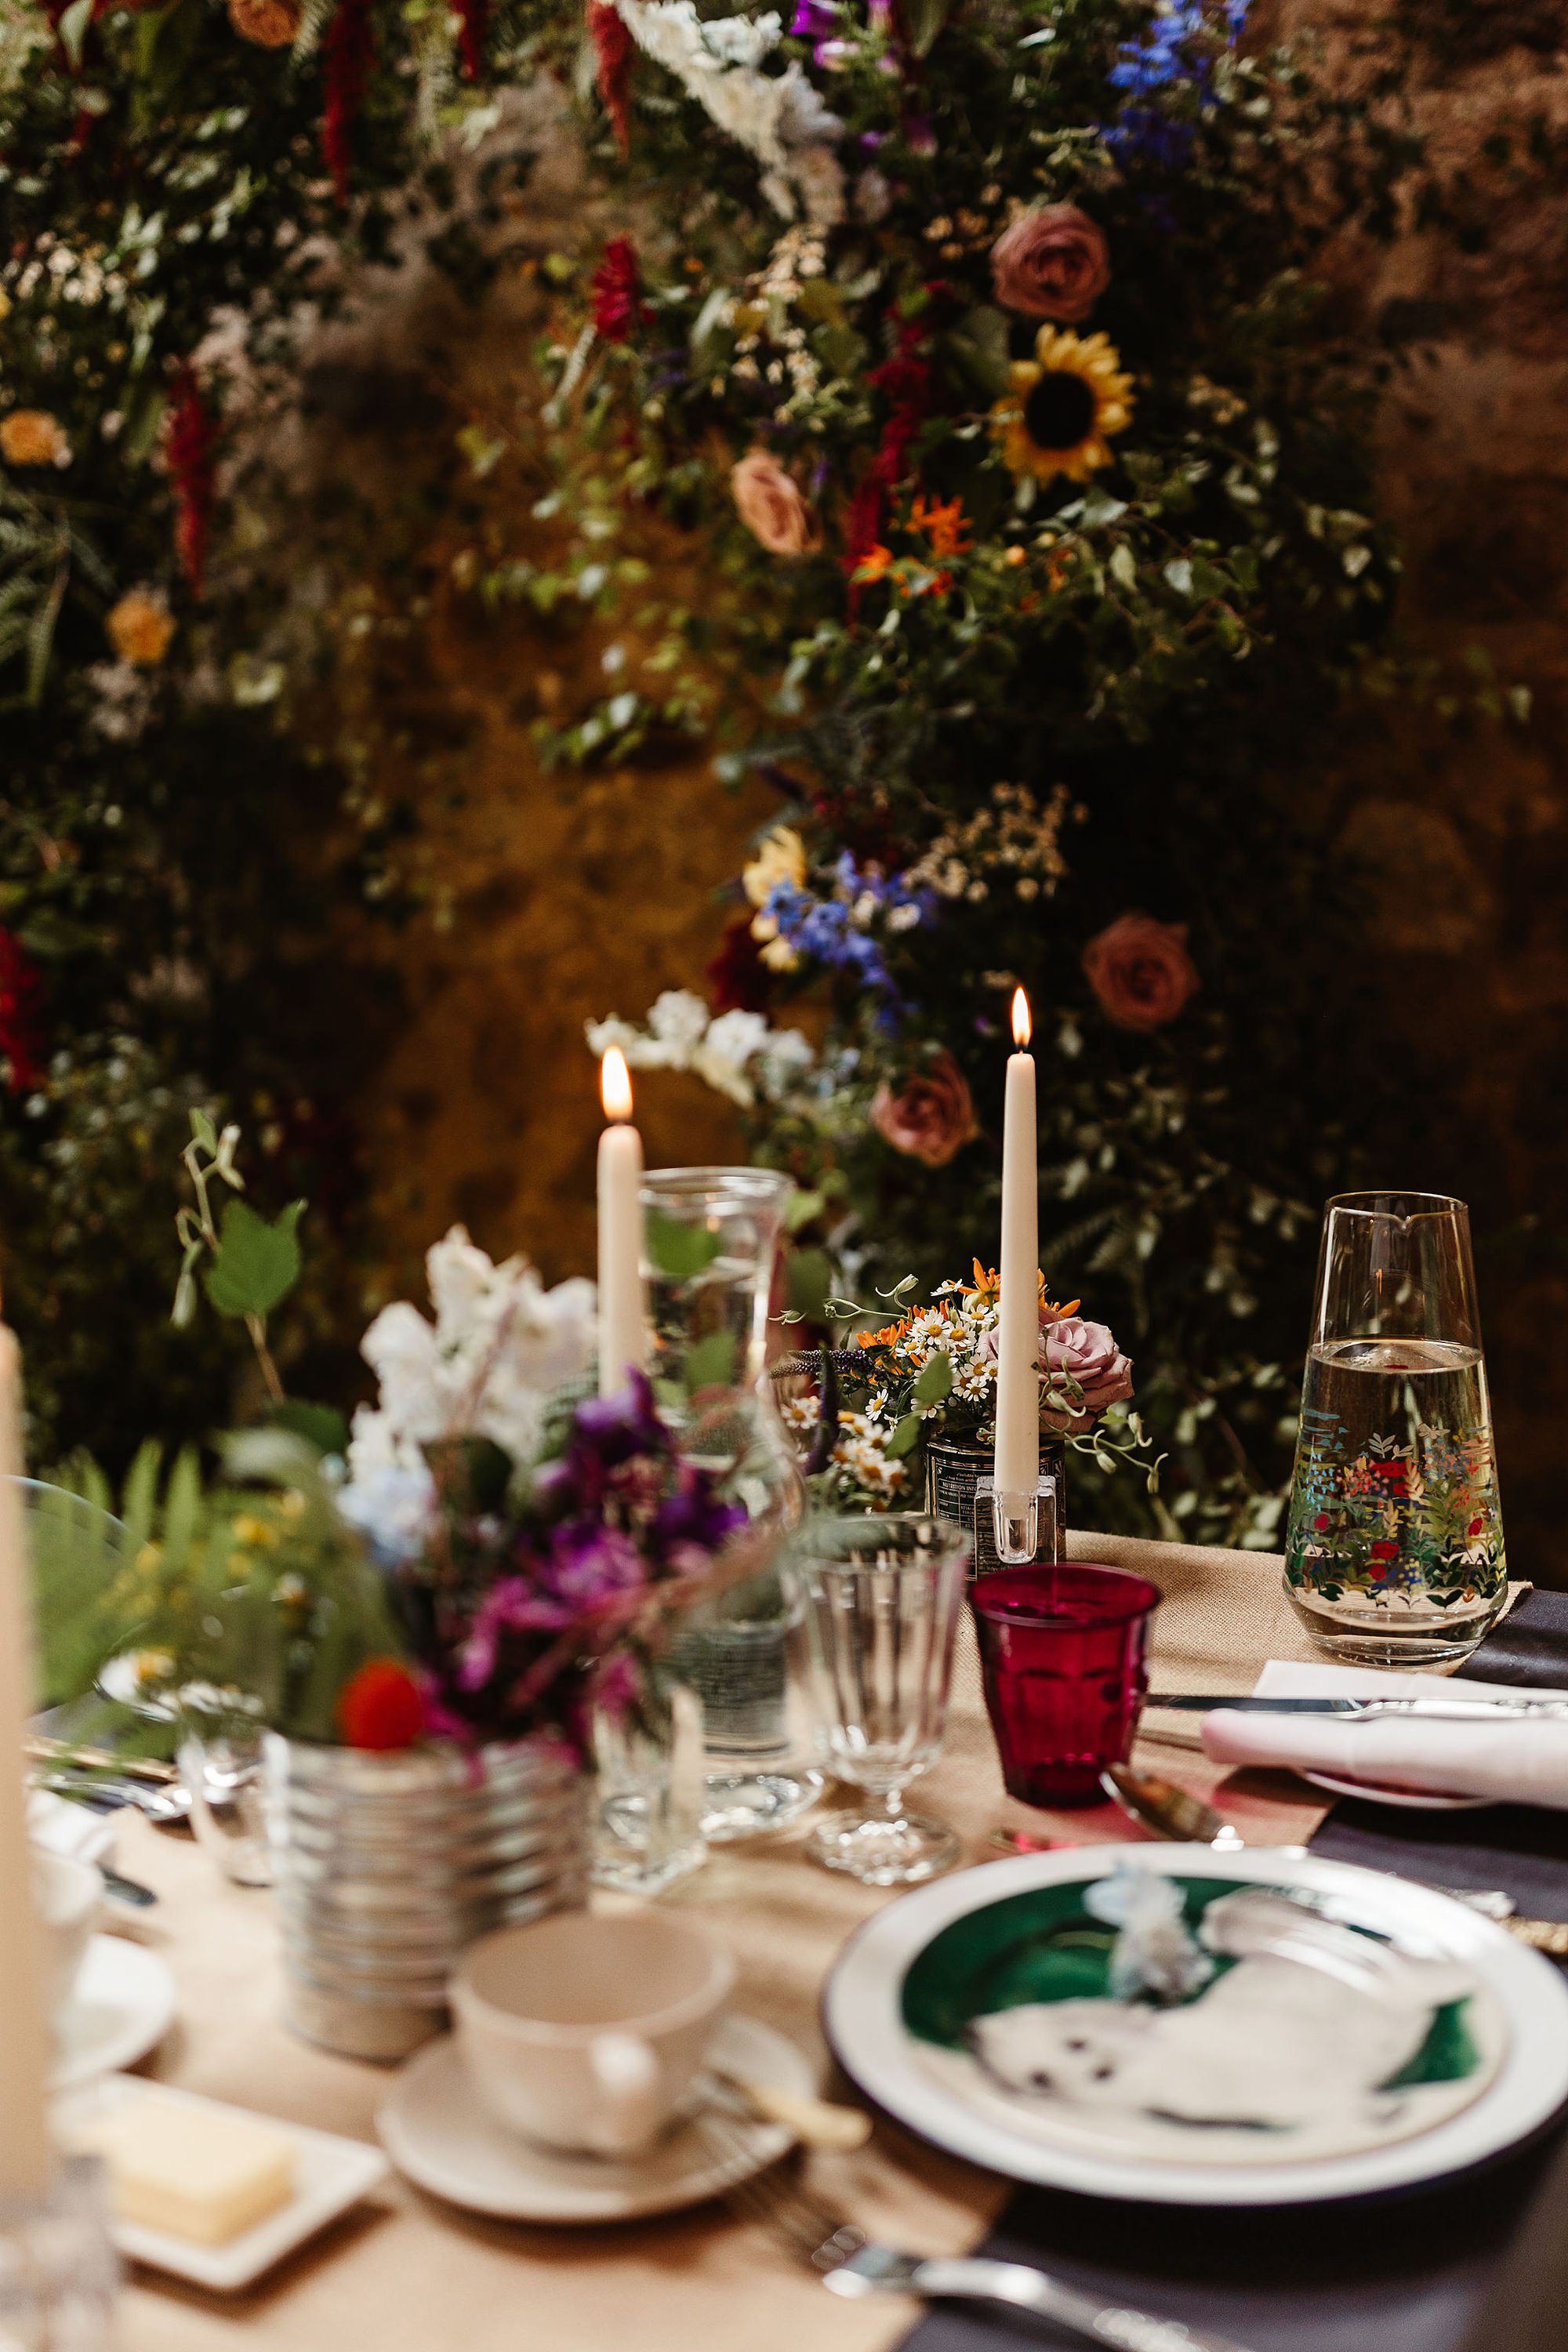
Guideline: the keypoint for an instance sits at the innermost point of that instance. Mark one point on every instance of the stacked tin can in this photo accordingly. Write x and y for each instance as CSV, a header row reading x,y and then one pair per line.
x,y
385,1866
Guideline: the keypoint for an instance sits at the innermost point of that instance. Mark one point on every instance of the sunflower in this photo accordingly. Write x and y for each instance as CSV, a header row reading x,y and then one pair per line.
x,y
1063,407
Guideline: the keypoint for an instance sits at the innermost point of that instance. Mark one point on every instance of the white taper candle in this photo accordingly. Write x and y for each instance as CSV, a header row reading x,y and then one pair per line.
x,y
1017,1456
623,1324
25,2153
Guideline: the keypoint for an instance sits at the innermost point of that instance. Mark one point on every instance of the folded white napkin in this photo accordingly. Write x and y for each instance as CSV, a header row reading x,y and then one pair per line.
x,y
74,1831
1512,1760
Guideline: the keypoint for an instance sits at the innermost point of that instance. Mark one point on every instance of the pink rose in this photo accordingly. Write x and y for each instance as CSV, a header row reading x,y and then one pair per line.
x,y
1141,971
770,505
1088,1354
1052,262
931,1116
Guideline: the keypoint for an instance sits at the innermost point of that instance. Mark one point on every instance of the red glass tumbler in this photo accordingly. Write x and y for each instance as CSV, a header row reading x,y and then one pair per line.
x,y
1062,1653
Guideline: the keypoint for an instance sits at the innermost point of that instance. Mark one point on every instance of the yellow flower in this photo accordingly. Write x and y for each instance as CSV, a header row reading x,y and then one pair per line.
x,y
254,1532
780,859
141,628
4,303
1064,405
31,437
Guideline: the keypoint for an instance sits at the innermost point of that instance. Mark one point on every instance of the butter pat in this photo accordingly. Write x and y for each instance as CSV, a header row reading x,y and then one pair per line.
x,y
194,2171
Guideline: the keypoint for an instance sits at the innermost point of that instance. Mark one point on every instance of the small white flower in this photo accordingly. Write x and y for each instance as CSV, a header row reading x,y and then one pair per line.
x,y
677,1020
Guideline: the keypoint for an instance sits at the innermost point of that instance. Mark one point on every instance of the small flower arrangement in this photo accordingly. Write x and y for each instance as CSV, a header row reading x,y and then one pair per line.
x,y
501,1551
933,1373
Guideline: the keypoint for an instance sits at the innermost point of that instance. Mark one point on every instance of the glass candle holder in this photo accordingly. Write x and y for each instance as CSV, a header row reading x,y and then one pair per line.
x,y
1062,1655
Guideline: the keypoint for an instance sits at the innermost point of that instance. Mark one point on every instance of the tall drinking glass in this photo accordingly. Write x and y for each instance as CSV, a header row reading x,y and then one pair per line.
x,y
881,1600
1394,1554
710,1237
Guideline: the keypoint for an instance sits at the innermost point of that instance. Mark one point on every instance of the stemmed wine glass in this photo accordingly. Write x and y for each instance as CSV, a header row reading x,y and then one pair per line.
x,y
881,1598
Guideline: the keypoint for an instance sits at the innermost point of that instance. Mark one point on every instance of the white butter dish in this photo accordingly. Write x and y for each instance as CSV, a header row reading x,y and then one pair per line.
x,y
330,2175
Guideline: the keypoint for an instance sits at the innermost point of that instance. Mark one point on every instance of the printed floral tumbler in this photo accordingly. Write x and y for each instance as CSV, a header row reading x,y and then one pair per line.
x,y
1062,1654
881,1599
1394,1552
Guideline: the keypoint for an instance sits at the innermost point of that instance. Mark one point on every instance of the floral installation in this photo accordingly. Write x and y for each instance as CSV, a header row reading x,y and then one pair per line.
x,y
933,1373
852,222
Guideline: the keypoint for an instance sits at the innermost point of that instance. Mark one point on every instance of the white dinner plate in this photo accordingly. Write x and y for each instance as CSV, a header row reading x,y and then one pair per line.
x,y
434,2130
1515,2078
330,2175
1410,1801
121,2005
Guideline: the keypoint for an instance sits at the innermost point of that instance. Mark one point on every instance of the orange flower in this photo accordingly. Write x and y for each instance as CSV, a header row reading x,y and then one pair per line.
x,y
889,1336
875,564
944,526
31,437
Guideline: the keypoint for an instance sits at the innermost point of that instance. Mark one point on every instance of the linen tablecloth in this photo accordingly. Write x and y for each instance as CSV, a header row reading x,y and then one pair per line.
x,y
406,2273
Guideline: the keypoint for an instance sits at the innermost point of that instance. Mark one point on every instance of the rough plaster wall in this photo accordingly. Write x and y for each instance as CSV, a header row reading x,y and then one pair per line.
x,y
1469,826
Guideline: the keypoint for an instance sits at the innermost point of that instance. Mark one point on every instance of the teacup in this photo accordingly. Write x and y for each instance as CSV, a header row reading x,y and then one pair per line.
x,y
585,2031
68,1894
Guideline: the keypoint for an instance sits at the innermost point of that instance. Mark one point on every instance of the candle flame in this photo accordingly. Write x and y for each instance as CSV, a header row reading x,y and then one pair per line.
x,y
616,1085
1023,1028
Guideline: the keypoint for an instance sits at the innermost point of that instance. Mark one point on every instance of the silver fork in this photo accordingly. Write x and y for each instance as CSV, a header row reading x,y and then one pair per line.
x,y
849,2263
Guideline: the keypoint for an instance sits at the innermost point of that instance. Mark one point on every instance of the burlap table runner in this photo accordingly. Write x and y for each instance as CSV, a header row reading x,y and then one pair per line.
x,y
407,2274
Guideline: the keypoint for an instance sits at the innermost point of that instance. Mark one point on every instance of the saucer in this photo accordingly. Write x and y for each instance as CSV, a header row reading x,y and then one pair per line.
x,y
434,2130
121,2004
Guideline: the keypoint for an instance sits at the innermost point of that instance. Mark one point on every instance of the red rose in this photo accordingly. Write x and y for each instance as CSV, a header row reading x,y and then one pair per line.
x,y
931,1116
379,1707
1141,971
1051,263
1385,1550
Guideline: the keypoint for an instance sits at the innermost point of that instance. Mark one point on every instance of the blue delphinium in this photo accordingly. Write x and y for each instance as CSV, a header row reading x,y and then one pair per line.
x,y
837,931
1168,54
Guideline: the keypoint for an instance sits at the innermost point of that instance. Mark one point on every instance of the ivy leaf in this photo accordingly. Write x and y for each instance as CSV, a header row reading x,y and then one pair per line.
x,y
936,1379
321,1426
923,20
710,1364
678,1249
258,1263
905,1438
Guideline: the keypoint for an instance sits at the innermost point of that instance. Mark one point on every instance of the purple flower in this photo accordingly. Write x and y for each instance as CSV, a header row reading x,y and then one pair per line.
x,y
608,1429
694,1514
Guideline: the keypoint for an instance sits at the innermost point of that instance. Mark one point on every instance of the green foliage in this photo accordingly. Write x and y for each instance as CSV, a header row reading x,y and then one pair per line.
x,y
257,1264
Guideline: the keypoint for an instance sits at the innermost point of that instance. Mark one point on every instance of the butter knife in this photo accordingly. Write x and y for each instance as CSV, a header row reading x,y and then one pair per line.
x,y
1359,1710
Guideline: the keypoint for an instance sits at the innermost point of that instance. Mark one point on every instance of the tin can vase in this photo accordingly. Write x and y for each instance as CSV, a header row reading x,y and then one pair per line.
x,y
385,1866
954,1467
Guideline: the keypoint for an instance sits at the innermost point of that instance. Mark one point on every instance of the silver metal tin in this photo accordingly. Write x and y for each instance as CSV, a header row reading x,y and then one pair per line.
x,y
954,1467
385,1866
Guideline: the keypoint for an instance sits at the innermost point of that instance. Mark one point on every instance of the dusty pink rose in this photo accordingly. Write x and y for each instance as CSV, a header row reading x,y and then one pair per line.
x,y
1088,1354
771,506
931,1116
1141,971
1052,262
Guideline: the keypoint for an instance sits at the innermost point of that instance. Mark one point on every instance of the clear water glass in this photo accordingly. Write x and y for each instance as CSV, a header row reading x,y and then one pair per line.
x,y
881,1598
710,1241
649,1780
222,1773
1393,1549
58,2277
741,1658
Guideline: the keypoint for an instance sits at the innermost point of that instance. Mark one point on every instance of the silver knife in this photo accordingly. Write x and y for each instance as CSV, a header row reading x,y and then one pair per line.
x,y
1430,1710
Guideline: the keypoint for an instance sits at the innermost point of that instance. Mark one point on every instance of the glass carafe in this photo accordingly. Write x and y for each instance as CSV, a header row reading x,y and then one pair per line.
x,y
710,1238
1394,1553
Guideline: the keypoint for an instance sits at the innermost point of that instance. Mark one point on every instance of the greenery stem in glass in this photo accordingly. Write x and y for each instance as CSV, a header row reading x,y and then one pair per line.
x,y
1394,1554
710,1239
